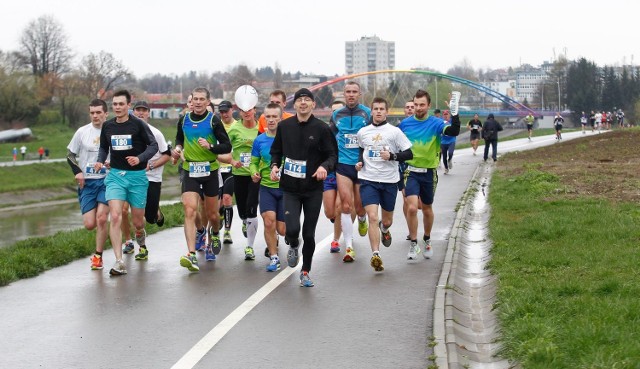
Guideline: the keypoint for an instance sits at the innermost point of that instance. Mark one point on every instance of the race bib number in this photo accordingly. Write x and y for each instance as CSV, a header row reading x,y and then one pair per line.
x,y
121,142
199,169
295,168
374,152
90,170
351,141
245,159
226,169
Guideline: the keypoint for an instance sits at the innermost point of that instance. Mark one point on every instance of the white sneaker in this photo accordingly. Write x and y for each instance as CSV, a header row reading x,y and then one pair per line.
x,y
118,268
428,250
450,164
414,250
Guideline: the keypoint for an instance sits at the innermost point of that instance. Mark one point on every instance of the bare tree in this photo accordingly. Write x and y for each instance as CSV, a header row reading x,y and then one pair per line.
x,y
44,48
100,73
11,62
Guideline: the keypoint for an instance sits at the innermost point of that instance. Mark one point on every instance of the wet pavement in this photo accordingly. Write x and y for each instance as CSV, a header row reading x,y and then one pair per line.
x,y
233,314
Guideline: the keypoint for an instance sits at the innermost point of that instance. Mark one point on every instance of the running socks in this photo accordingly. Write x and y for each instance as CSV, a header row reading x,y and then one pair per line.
x,y
228,217
141,237
252,230
347,229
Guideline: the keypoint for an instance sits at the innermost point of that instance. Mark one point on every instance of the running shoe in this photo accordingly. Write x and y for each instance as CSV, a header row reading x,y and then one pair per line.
x,y
201,240
350,255
414,250
248,253
214,243
305,280
363,227
143,254
244,228
160,221
385,236
274,265
118,268
376,263
335,247
128,248
428,250
227,237
209,254
190,262
293,257
96,262
446,170
450,164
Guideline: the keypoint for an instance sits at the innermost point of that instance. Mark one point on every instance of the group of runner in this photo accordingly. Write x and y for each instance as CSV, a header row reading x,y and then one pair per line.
x,y
284,167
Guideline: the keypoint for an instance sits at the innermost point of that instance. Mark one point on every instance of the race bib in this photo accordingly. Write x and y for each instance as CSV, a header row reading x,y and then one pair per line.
x,y
90,170
295,168
226,169
199,169
374,152
121,142
245,159
351,141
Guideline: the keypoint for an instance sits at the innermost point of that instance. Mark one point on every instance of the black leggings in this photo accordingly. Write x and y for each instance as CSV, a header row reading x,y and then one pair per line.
x,y
153,202
247,193
310,203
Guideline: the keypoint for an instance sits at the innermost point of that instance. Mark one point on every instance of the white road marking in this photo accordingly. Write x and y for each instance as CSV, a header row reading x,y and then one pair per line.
x,y
200,349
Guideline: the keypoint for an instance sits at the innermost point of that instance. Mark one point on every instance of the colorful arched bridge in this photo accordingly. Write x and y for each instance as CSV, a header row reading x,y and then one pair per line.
x,y
517,109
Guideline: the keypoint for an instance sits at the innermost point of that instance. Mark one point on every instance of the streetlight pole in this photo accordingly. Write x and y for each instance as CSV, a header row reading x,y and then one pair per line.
x,y
559,94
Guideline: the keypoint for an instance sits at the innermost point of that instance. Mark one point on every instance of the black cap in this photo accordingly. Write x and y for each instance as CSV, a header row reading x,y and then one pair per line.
x,y
225,106
437,111
490,116
303,92
141,104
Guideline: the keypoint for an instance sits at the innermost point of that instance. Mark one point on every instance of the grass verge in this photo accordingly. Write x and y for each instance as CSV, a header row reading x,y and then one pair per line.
x,y
568,272
28,258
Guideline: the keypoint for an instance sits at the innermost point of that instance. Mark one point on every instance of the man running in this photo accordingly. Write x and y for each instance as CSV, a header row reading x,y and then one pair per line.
x,y
475,126
424,133
81,156
302,154
529,119
275,97
226,115
558,121
347,123
382,146
271,197
200,138
131,145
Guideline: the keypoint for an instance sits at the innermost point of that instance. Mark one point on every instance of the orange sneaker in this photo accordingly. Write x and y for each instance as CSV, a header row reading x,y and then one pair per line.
x,y
335,247
96,262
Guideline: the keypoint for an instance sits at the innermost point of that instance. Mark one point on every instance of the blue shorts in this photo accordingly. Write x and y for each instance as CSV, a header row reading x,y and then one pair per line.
x,y
127,185
348,170
91,194
330,183
422,185
272,199
378,193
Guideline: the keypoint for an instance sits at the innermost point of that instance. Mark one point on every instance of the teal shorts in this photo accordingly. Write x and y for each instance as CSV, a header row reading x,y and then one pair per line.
x,y
127,185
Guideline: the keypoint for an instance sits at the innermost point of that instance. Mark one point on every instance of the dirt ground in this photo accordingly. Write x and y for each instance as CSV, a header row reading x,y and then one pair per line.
x,y
603,165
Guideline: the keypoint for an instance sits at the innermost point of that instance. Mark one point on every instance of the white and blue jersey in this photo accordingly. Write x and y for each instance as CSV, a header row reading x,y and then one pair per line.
x,y
347,123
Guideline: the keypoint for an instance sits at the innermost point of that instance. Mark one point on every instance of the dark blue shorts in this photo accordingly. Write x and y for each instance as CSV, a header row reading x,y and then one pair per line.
x,y
422,185
271,199
330,183
378,193
348,170
91,194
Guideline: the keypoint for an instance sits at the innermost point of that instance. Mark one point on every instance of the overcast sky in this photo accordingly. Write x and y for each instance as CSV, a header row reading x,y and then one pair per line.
x,y
168,37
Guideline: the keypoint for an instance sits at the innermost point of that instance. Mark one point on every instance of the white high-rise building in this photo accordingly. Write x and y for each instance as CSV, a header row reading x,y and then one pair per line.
x,y
371,54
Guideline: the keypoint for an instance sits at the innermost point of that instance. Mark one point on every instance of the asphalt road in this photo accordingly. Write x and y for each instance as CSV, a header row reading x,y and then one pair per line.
x,y
233,314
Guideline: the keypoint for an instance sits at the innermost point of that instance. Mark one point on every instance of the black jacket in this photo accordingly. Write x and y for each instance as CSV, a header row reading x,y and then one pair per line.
x,y
309,141
490,129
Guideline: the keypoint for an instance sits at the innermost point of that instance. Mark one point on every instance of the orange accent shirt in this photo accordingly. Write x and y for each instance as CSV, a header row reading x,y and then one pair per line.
x,y
262,122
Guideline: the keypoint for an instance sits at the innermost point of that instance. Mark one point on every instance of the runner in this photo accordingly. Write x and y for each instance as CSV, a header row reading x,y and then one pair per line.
x,y
557,124
81,156
242,134
529,119
583,122
271,198
348,122
420,184
226,208
304,149
197,134
475,126
382,146
131,144
447,145
275,97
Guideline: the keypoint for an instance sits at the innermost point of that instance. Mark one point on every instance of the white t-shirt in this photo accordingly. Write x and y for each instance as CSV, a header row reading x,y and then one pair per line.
x,y
85,144
155,175
374,139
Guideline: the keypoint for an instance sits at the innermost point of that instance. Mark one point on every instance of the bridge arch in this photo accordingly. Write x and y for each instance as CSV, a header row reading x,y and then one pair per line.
x,y
519,109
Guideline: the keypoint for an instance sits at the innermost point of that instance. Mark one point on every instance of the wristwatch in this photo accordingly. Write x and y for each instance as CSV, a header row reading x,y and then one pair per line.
x,y
395,156
151,166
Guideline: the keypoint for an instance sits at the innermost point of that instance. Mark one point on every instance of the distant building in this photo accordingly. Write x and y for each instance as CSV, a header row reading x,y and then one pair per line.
x,y
371,54
528,81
